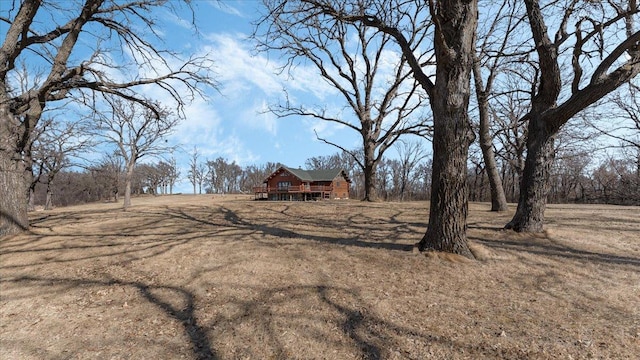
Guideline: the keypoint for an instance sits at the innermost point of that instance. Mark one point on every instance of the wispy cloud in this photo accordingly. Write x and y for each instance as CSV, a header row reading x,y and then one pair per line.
x,y
238,69
225,7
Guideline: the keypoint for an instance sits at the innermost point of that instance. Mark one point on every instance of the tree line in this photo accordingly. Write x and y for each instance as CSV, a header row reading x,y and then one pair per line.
x,y
575,178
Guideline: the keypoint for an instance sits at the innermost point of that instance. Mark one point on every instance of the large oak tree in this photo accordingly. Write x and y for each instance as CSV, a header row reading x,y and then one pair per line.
x,y
71,51
135,132
587,31
447,83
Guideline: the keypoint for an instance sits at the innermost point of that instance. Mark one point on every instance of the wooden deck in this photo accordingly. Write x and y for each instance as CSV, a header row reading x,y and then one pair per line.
x,y
293,189
321,191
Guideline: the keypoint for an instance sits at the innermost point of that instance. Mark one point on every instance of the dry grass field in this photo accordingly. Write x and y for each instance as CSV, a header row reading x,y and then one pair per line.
x,y
202,277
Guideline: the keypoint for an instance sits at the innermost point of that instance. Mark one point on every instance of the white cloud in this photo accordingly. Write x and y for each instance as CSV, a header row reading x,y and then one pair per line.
x,y
233,149
238,69
324,129
176,20
257,116
201,126
225,7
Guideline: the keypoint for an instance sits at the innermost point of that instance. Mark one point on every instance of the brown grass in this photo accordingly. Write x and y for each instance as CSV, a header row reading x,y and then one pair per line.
x,y
229,278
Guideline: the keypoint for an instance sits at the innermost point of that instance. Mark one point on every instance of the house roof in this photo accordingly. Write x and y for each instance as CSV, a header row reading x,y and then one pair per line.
x,y
313,175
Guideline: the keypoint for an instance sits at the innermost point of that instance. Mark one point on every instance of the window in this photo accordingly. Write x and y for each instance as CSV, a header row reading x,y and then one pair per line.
x,y
284,185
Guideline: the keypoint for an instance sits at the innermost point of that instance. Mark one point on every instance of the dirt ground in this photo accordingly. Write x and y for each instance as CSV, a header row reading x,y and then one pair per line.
x,y
203,277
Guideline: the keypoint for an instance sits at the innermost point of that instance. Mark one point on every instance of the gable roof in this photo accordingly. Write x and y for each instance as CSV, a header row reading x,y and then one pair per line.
x,y
312,175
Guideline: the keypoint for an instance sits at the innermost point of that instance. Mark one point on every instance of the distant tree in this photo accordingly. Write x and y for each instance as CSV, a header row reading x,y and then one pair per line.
x,y
476,175
54,148
614,181
423,181
65,48
36,167
234,177
511,136
324,162
195,175
411,154
136,132
385,177
223,176
109,174
149,178
173,174
215,175
488,60
567,176
167,175
254,175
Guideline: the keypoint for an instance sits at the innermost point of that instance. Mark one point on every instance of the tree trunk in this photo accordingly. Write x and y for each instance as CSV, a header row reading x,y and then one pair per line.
x,y
449,192
454,45
48,205
15,174
32,194
534,186
14,191
128,178
498,198
370,191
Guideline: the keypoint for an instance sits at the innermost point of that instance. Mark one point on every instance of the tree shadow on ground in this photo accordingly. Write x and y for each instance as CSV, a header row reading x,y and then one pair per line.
x,y
232,217
548,249
265,316
10,221
185,315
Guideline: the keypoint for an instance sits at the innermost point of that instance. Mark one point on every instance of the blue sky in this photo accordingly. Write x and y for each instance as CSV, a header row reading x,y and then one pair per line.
x,y
232,123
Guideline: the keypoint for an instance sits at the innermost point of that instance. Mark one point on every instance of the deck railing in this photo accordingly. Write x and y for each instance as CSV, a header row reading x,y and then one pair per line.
x,y
293,189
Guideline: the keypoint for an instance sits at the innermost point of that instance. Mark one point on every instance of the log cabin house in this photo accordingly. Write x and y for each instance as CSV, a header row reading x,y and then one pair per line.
x,y
297,184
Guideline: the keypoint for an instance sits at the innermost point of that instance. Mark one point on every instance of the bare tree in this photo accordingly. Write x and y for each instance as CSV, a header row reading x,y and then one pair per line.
x,y
383,101
110,170
194,171
510,134
215,175
102,28
223,176
324,162
173,174
422,184
411,154
36,167
491,47
201,176
612,37
254,175
58,142
453,35
136,132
